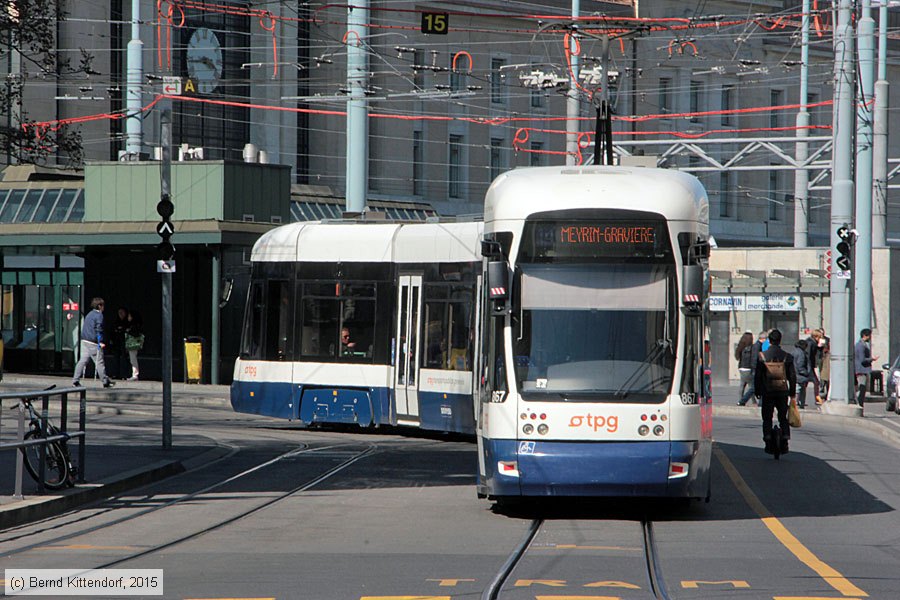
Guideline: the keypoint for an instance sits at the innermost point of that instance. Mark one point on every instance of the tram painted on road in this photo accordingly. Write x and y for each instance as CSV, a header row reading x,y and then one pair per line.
x,y
364,323
592,379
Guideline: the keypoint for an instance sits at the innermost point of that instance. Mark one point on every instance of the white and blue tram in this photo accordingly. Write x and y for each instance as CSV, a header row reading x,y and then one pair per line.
x,y
592,380
362,323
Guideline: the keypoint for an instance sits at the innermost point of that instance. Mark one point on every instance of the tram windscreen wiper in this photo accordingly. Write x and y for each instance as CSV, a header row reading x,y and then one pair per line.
x,y
658,348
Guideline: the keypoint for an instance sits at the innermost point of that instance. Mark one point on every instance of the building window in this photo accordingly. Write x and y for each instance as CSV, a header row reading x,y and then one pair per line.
x,y
454,167
665,95
418,155
498,92
773,195
776,98
696,100
536,156
725,194
727,104
497,162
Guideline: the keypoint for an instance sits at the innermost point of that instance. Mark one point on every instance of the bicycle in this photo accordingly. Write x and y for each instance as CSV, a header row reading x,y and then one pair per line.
x,y
59,472
779,445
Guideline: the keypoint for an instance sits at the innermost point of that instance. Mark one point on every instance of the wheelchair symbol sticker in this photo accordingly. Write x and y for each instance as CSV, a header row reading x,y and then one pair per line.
x,y
526,447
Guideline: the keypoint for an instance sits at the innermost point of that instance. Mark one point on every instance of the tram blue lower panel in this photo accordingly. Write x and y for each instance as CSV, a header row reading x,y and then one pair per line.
x,y
361,407
446,412
597,469
263,398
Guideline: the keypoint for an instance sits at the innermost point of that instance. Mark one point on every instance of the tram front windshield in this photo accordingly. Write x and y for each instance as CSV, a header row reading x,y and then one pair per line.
x,y
600,330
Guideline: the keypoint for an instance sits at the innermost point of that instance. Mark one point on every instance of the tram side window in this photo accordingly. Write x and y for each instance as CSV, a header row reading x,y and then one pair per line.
x,y
253,323
448,327
278,314
338,321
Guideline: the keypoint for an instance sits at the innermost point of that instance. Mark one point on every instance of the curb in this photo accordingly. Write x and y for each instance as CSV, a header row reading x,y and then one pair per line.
x,y
42,507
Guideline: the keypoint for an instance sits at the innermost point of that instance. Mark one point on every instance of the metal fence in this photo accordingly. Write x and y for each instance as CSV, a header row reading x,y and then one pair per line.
x,y
45,425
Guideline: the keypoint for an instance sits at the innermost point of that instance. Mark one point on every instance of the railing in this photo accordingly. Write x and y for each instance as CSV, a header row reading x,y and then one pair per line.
x,y
44,416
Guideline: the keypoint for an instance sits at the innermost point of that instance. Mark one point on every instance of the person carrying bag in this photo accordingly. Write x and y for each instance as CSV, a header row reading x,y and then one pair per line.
x,y
776,382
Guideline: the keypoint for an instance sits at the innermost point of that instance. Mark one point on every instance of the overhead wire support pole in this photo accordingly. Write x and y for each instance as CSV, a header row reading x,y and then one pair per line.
x,y
573,107
135,73
862,254
801,151
880,136
357,168
843,124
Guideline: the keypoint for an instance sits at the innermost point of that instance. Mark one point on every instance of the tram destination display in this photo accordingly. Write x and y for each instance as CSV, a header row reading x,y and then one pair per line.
x,y
544,240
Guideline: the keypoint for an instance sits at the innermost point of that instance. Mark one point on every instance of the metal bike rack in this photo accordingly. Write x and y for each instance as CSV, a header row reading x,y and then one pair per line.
x,y
20,442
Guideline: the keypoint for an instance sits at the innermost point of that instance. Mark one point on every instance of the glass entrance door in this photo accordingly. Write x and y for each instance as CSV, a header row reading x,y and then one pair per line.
x,y
406,359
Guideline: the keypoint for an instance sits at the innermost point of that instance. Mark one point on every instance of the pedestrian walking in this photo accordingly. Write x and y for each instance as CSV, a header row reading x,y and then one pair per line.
x,y
92,344
134,341
862,364
813,354
742,354
800,354
776,384
824,367
117,343
755,349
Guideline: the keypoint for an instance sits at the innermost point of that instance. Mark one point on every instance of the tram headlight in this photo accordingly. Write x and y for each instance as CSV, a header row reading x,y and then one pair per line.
x,y
528,429
543,429
643,430
659,430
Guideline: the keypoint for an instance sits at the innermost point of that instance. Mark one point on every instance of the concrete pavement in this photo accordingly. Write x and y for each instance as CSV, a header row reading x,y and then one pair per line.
x,y
118,454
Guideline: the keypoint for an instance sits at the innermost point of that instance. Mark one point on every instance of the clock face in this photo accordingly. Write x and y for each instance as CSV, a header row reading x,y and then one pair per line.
x,y
204,60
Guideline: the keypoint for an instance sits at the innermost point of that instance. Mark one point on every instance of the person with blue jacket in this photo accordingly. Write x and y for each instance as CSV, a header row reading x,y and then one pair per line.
x,y
92,344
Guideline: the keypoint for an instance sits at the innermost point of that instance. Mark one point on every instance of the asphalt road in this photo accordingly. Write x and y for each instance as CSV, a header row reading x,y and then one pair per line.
x,y
336,515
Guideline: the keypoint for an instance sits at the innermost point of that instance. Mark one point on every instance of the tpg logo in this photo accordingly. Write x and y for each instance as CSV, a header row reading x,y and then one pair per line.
x,y
596,422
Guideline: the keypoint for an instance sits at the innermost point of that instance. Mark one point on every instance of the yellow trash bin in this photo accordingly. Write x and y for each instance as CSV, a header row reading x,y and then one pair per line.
x,y
193,360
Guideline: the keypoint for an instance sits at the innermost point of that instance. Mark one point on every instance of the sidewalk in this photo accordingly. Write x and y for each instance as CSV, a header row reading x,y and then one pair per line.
x,y
118,456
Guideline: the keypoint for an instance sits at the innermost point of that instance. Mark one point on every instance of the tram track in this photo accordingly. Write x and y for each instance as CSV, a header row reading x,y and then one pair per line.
x,y
652,565
198,494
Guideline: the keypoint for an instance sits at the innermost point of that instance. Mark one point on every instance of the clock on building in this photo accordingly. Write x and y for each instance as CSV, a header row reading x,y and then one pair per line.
x,y
204,60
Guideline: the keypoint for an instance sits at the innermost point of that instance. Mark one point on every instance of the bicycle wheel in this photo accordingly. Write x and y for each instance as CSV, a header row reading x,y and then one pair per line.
x,y
56,467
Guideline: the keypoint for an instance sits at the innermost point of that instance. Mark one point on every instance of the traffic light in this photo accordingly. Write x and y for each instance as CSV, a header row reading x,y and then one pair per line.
x,y
847,237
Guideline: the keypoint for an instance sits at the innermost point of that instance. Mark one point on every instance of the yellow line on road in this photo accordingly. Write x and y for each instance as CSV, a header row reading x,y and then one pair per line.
x,y
831,576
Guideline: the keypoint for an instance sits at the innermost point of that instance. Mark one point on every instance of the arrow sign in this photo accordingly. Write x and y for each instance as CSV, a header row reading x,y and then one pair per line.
x,y
172,85
165,229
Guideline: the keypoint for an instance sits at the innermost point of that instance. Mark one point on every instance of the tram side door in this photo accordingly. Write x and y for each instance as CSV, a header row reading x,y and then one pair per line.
x,y
409,327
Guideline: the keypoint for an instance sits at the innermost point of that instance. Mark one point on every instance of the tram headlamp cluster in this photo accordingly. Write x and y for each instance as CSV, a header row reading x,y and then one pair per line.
x,y
643,430
543,429
528,429
659,430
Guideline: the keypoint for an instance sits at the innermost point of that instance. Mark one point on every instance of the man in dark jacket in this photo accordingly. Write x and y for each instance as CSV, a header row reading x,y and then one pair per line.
x,y
755,349
92,344
775,399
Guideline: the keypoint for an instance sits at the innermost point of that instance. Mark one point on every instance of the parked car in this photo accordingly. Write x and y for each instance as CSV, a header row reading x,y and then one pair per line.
x,y
892,389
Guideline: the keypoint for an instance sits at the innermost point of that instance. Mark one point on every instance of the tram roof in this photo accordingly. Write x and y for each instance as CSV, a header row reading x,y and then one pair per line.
x,y
343,241
519,193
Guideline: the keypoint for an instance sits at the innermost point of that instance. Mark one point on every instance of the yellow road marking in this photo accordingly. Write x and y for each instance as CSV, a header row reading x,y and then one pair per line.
x,y
614,584
693,585
449,582
547,582
831,576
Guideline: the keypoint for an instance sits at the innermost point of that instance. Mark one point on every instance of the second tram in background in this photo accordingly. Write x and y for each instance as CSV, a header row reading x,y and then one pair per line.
x,y
362,323
592,379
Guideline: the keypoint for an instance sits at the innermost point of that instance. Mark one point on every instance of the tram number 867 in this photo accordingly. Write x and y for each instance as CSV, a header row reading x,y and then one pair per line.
x,y
688,398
